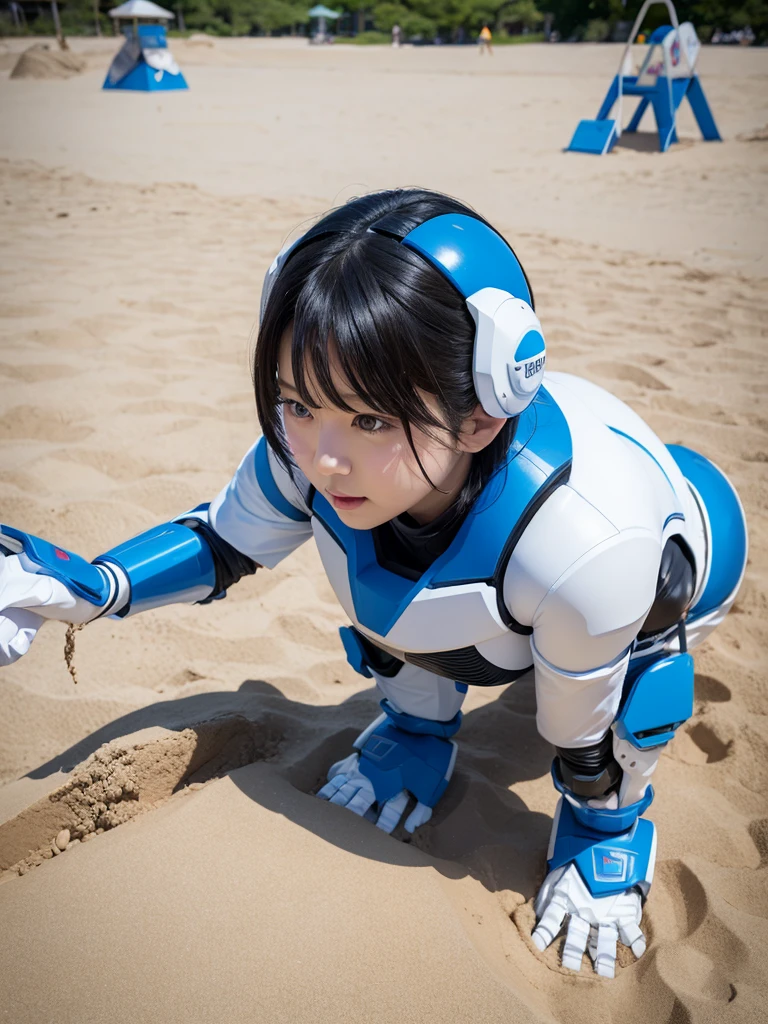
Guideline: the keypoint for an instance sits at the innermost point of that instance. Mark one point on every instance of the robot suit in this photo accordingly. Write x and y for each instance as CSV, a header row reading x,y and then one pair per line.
x,y
595,555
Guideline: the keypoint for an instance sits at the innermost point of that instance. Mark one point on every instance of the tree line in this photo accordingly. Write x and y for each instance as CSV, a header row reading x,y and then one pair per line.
x,y
448,20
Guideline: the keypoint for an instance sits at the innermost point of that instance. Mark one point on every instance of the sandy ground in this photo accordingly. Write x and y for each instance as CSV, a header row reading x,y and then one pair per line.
x,y
136,233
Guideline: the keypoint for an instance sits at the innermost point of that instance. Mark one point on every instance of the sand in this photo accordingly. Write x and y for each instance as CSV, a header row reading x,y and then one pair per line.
x,y
41,61
202,881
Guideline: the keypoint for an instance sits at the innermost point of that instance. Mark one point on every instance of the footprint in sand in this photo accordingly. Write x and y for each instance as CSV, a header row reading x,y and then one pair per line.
x,y
680,900
709,743
710,689
698,956
758,832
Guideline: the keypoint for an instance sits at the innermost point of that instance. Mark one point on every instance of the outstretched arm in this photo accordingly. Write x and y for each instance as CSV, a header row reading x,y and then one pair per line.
x,y
258,519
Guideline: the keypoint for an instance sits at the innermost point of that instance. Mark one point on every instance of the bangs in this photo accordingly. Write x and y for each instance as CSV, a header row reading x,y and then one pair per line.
x,y
375,329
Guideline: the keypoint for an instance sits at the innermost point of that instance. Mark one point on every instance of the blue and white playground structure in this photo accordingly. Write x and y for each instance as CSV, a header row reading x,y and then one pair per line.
x,y
666,77
144,63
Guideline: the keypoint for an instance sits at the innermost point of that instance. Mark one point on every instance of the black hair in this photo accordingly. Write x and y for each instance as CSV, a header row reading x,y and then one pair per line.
x,y
394,321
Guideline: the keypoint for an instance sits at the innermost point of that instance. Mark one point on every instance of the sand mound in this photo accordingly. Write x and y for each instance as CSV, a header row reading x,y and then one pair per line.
x,y
41,62
125,777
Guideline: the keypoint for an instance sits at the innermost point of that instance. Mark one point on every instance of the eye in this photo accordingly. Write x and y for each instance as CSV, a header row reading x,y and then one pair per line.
x,y
370,424
298,411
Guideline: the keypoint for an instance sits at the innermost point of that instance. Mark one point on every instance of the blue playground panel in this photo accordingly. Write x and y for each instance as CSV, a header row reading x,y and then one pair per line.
x,y
594,137
664,97
130,70
142,79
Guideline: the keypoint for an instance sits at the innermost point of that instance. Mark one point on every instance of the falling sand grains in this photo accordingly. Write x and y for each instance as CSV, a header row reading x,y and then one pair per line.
x,y
69,649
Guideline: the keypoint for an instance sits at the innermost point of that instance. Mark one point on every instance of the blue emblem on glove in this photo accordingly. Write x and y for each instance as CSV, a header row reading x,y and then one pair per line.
x,y
608,864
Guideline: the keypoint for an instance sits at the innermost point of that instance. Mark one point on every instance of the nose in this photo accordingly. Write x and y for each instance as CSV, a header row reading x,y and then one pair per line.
x,y
330,459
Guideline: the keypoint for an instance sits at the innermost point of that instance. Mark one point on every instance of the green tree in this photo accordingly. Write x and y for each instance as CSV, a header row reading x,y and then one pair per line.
x,y
571,17
243,17
386,15
522,14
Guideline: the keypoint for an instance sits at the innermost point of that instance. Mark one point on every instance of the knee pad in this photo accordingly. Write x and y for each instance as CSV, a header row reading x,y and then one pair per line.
x,y
658,699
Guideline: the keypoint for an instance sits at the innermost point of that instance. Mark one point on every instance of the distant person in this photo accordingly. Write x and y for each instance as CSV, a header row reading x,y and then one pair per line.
x,y
396,36
485,41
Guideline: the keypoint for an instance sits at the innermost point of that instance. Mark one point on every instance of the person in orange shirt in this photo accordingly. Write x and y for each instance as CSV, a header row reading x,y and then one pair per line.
x,y
485,41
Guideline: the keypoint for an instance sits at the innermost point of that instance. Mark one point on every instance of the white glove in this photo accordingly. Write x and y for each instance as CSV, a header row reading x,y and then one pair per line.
x,y
596,922
348,787
28,599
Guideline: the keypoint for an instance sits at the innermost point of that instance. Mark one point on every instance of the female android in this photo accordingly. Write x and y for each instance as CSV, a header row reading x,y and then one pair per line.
x,y
477,517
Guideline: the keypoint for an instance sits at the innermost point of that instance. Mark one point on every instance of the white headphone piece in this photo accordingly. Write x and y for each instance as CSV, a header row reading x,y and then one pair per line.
x,y
510,353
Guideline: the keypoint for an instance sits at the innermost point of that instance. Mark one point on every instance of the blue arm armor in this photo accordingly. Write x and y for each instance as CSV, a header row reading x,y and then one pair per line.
x,y
181,561
169,563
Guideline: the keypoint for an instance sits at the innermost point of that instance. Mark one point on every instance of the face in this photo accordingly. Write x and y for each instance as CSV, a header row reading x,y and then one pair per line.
x,y
362,463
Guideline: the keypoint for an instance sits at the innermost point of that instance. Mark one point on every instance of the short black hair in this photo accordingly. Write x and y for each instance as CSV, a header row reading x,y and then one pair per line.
x,y
396,324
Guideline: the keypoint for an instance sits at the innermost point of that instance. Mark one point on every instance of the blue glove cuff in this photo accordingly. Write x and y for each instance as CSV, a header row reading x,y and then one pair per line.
x,y
609,865
395,760
421,726
599,819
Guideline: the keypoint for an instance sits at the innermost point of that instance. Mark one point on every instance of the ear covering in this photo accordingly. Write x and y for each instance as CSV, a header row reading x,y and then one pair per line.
x,y
510,353
509,356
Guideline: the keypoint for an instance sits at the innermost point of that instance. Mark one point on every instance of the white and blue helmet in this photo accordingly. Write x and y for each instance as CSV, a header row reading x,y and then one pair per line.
x,y
509,351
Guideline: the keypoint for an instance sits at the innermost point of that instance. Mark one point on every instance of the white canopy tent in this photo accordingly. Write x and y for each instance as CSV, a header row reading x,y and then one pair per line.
x,y
323,14
141,9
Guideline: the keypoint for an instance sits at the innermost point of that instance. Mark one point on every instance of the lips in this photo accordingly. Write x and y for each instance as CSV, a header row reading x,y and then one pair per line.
x,y
344,502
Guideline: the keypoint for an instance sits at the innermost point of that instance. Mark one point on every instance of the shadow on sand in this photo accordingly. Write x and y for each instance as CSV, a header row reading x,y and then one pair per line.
x,y
480,826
